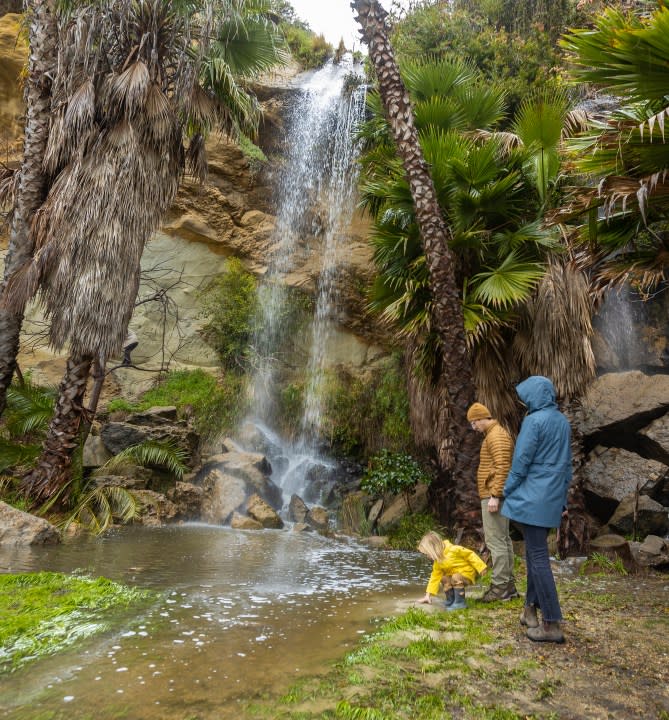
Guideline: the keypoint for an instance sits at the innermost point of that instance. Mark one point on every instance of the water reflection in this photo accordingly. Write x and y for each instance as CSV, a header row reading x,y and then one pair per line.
x,y
239,613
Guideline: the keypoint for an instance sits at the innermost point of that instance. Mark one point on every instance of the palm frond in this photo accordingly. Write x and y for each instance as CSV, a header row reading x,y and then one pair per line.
x,y
509,283
98,508
147,454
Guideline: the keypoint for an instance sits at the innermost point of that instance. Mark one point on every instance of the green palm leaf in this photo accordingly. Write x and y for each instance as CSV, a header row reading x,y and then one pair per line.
x,y
148,453
508,284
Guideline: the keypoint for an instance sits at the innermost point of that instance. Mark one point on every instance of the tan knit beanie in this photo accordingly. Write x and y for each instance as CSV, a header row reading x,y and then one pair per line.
x,y
478,412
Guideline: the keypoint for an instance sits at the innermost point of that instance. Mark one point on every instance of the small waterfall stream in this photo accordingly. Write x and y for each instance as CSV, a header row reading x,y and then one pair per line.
x,y
315,202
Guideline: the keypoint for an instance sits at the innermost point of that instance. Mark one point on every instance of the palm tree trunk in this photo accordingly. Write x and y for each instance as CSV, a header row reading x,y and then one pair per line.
x,y
32,182
461,499
53,470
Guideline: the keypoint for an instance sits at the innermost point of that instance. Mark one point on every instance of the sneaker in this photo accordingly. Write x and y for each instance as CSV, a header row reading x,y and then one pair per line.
x,y
511,592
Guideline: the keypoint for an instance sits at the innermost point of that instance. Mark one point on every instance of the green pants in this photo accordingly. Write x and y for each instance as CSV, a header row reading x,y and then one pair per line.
x,y
496,532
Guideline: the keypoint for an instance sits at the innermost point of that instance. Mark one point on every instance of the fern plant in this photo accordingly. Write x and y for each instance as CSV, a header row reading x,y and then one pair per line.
x,y
150,453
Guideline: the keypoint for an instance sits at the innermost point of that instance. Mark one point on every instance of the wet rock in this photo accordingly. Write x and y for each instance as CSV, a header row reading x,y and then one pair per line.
x,y
223,495
156,508
354,512
297,509
188,499
641,515
318,518
302,527
243,522
377,542
252,468
375,513
259,510
21,528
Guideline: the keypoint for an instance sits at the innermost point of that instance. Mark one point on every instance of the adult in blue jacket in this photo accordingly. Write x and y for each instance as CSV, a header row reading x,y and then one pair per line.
x,y
535,496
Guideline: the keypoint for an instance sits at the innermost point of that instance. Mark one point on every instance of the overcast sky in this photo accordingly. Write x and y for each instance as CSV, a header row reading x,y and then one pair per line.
x,y
332,18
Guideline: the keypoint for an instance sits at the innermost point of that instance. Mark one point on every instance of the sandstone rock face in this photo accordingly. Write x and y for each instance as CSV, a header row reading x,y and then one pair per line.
x,y
297,509
21,528
253,469
398,507
188,499
318,518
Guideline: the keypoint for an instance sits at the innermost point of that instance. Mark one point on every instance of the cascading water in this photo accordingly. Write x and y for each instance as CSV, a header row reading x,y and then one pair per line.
x,y
315,201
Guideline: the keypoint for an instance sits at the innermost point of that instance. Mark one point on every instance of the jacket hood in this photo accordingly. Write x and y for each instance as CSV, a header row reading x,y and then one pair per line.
x,y
537,392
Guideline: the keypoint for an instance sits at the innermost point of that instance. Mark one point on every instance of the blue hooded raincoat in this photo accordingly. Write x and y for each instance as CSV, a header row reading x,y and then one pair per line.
x,y
535,492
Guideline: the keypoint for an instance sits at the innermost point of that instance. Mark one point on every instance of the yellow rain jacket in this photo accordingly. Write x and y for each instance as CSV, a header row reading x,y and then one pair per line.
x,y
456,559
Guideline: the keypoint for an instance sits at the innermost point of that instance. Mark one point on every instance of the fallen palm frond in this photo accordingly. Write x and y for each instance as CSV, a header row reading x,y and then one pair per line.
x,y
99,508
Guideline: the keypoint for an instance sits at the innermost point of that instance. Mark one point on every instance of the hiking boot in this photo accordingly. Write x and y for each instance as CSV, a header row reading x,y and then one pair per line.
x,y
450,597
511,592
528,618
500,592
546,632
458,600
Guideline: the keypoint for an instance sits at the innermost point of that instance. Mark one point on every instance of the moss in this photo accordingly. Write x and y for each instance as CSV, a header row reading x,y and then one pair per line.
x,y
45,612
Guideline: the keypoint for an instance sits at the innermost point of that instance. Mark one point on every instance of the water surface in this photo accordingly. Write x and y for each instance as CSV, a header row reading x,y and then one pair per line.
x,y
239,613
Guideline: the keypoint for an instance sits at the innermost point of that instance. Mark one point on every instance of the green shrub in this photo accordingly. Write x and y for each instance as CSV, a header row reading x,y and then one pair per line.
x,y
410,529
310,51
230,305
216,403
396,473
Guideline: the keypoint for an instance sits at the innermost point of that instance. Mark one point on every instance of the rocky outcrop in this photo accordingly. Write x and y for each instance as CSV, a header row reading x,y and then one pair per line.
x,y
263,513
624,421
20,528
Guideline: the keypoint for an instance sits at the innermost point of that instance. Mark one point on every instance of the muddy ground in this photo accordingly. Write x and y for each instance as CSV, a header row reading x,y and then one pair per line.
x,y
478,664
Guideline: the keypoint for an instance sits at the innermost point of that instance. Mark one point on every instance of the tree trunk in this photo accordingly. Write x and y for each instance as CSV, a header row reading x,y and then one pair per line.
x,y
32,182
462,443
52,473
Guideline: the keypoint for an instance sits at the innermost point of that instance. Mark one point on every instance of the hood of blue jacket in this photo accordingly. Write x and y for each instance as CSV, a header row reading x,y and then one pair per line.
x,y
537,392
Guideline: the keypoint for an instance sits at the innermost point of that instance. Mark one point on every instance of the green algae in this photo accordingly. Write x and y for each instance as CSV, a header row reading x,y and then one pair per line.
x,y
45,612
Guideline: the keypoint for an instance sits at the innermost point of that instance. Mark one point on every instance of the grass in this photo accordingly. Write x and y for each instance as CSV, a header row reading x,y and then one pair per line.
x,y
46,612
216,403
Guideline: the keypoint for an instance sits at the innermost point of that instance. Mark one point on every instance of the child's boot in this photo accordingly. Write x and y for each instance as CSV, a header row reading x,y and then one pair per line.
x,y
459,600
450,597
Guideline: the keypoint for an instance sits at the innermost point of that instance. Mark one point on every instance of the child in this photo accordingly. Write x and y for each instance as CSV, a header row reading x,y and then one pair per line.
x,y
454,567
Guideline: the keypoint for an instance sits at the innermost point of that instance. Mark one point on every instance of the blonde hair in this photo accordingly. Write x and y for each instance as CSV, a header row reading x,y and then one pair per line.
x,y
431,545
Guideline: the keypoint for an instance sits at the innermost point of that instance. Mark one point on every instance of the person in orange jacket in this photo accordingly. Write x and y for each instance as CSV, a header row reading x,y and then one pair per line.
x,y
454,567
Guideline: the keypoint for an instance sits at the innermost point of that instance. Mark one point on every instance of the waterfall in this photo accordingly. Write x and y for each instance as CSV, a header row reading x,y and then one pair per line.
x,y
315,194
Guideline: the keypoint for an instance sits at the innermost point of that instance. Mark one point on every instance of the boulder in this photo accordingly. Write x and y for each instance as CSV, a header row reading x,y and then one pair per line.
x,y
625,397
302,527
259,510
95,453
21,528
610,474
118,436
354,512
188,499
653,551
156,508
375,513
223,495
651,517
297,509
318,518
242,522
398,507
252,468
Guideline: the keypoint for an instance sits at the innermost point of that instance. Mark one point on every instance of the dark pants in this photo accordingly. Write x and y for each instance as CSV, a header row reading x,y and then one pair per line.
x,y
541,590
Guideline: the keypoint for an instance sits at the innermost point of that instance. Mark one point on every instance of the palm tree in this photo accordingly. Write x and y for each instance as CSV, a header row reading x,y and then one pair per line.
x,y
31,183
435,235
624,156
134,80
